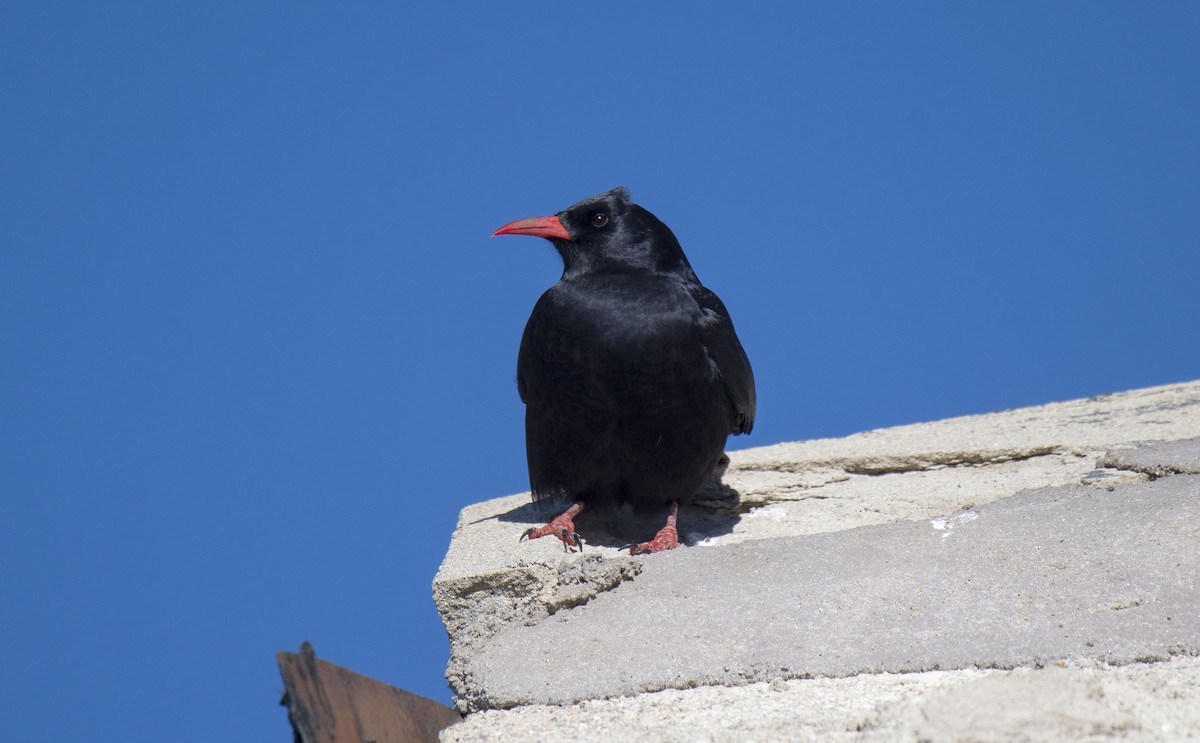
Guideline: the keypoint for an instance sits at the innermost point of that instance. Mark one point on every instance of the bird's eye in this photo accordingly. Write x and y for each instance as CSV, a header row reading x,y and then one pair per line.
x,y
599,219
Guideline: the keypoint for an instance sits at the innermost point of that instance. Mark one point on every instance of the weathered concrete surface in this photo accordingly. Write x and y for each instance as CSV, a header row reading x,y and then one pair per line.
x,y
901,549
1071,572
1143,702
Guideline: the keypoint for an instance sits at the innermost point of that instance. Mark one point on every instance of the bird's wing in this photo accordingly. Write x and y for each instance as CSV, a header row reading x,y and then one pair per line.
x,y
569,418
726,352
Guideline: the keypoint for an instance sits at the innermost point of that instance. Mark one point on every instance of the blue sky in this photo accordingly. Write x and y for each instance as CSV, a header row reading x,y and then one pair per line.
x,y
258,350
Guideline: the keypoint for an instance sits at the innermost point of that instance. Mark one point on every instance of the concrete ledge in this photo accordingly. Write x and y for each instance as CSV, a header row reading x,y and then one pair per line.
x,y
1026,538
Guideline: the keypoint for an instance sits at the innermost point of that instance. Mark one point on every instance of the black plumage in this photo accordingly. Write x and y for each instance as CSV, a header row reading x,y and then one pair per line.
x,y
630,369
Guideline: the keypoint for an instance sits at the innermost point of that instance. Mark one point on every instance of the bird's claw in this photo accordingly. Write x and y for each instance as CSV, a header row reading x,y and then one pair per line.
x,y
570,540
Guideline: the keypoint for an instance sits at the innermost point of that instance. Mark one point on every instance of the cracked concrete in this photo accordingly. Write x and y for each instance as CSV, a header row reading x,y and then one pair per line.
x,y
822,512
1171,458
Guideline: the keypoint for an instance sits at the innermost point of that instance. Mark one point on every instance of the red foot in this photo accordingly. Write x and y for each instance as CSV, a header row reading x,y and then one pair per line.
x,y
666,538
561,527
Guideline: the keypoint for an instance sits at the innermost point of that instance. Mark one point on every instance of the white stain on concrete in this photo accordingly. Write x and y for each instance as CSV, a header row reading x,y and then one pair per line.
x,y
947,525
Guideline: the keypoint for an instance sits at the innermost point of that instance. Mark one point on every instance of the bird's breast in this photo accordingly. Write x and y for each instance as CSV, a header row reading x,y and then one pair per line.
x,y
639,320
629,337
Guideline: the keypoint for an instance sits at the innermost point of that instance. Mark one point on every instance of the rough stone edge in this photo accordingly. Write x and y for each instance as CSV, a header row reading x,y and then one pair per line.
x,y
481,605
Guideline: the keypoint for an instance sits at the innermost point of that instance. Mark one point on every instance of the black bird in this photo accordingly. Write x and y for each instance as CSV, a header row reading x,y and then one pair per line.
x,y
630,370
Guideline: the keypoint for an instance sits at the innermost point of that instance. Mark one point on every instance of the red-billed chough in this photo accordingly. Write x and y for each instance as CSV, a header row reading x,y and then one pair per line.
x,y
630,370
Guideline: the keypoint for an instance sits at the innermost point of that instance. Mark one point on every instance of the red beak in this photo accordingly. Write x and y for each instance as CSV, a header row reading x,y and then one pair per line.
x,y
547,227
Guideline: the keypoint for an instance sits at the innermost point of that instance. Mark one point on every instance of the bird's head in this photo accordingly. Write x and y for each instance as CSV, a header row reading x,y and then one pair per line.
x,y
607,233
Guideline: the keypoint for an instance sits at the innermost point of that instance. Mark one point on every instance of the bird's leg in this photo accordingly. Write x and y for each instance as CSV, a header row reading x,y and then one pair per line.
x,y
561,527
667,537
